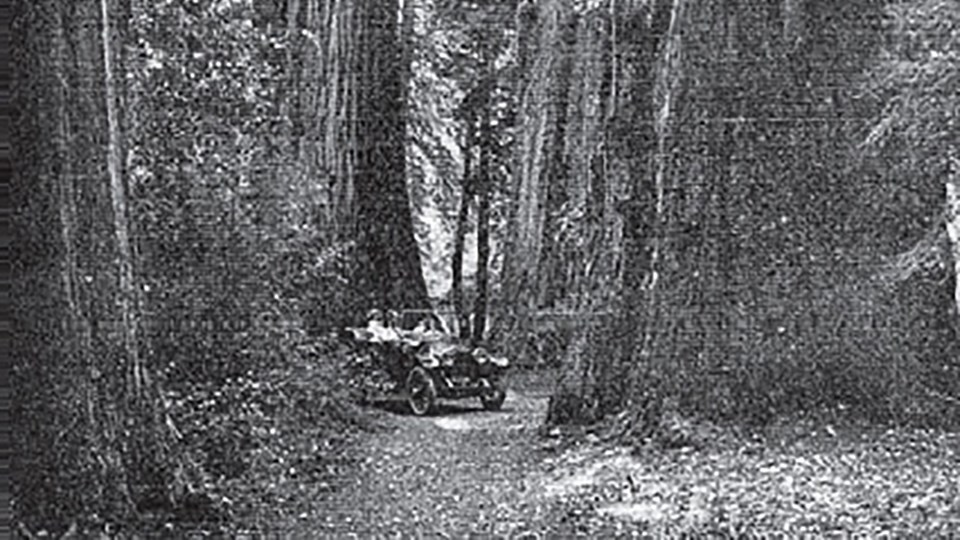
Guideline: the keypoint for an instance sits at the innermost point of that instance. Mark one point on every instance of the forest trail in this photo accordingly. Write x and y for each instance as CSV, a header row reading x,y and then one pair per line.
x,y
465,472
461,471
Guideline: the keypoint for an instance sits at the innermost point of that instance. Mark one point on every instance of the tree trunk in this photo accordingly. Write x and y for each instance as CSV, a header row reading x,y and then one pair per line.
x,y
483,248
466,194
547,59
592,237
395,277
484,187
95,426
953,228
582,154
118,198
662,72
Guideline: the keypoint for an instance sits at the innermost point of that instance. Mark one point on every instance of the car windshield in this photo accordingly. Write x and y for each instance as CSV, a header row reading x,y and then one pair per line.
x,y
424,320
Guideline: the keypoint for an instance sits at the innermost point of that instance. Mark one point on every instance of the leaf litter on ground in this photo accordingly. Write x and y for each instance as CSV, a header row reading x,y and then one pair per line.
x,y
796,478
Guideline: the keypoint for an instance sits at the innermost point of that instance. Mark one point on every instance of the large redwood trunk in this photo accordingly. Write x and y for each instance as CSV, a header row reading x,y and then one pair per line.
x,y
347,106
584,191
383,204
87,413
546,57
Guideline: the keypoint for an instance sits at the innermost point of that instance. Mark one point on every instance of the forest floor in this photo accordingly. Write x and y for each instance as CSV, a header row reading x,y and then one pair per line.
x,y
466,472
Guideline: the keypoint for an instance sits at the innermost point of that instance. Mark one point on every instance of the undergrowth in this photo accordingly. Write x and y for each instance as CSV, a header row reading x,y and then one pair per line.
x,y
264,445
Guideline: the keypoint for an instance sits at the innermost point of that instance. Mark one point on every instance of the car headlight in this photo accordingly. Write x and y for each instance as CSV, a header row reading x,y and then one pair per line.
x,y
500,361
429,362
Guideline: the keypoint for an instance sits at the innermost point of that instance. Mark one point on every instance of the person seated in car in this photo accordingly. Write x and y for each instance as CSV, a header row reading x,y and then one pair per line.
x,y
374,318
427,329
424,326
379,327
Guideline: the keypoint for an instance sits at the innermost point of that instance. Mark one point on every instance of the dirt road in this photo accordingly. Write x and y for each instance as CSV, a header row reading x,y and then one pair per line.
x,y
461,472
469,473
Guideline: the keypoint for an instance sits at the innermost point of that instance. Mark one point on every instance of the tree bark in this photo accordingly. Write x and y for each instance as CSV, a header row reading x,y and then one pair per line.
x,y
592,234
118,198
89,425
952,189
395,277
466,194
483,238
546,58
484,188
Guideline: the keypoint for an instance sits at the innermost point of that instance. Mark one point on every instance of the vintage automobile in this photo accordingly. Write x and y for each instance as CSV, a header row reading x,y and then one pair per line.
x,y
428,362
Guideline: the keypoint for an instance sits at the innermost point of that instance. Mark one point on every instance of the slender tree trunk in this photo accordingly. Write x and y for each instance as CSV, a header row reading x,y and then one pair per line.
x,y
483,239
483,199
466,194
953,227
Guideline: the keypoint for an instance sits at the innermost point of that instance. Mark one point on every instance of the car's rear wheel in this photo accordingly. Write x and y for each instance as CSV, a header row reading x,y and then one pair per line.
x,y
492,397
421,392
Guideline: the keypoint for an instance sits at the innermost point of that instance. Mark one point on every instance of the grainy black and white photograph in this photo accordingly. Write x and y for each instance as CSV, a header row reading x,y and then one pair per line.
x,y
485,269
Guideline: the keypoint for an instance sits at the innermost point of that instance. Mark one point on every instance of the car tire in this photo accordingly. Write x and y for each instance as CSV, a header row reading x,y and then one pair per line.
x,y
421,392
493,397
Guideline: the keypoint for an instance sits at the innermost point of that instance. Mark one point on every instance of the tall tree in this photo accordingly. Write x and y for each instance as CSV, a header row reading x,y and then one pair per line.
x,y
580,182
382,198
483,190
90,415
118,199
459,241
545,57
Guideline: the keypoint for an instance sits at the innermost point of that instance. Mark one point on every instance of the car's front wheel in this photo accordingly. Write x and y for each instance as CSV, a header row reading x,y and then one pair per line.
x,y
492,397
421,392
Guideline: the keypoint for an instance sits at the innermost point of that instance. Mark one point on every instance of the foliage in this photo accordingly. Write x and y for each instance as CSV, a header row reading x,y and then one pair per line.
x,y
202,200
268,441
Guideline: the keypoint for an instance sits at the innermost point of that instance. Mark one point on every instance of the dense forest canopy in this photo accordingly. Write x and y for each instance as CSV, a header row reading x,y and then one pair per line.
x,y
726,208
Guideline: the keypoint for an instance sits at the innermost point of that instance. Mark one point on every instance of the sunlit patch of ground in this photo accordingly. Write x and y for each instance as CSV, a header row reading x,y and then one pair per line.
x,y
847,482
458,418
454,424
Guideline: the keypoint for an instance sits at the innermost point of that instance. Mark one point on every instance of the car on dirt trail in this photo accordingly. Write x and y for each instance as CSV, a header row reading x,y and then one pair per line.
x,y
418,359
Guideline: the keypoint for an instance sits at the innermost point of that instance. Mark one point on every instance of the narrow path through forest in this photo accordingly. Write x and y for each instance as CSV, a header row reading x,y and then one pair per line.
x,y
462,471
